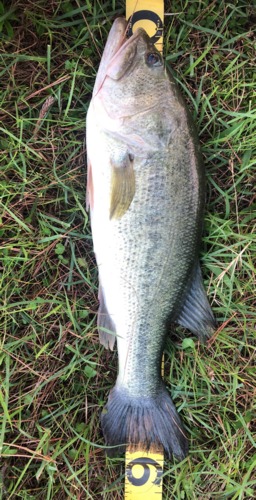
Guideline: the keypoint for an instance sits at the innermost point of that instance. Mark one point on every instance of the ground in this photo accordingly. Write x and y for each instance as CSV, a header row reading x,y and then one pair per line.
x,y
55,376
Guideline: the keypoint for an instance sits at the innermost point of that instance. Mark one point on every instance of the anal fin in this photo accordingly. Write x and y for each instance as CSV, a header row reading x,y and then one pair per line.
x,y
196,313
106,327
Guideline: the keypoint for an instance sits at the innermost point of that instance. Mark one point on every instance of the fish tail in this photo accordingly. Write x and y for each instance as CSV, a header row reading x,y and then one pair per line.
x,y
150,422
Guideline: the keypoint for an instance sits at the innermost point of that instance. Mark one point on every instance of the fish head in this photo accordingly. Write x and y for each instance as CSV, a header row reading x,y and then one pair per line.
x,y
130,72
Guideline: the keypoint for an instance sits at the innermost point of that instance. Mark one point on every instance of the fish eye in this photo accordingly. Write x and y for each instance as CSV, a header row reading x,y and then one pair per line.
x,y
153,59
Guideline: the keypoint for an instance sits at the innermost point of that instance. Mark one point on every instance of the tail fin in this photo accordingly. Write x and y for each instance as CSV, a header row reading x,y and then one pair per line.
x,y
148,421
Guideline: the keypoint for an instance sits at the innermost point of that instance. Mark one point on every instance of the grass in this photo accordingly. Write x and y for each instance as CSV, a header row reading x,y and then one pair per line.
x,y
54,375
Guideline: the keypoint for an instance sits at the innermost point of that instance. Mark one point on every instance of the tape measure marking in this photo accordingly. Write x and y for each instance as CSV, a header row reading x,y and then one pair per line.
x,y
144,471
148,14
142,15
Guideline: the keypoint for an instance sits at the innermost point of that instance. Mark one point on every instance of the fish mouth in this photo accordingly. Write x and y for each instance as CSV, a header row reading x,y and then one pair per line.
x,y
121,28
118,46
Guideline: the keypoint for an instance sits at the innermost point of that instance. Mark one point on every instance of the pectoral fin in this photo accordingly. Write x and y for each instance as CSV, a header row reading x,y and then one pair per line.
x,y
122,187
106,327
89,187
196,313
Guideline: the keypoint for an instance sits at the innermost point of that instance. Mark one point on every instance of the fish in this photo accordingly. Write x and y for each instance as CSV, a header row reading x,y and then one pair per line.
x,y
145,193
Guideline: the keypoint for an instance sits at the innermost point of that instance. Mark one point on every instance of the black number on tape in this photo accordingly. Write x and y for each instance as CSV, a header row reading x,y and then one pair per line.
x,y
151,16
145,462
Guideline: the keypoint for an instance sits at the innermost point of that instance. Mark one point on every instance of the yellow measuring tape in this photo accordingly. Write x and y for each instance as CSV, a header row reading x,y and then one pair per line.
x,y
144,470
143,475
148,15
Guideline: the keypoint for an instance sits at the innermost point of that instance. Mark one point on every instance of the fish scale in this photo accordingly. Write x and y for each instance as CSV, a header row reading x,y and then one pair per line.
x,y
146,194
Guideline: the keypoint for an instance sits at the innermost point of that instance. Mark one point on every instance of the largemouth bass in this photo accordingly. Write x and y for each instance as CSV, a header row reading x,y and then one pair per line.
x,y
146,193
